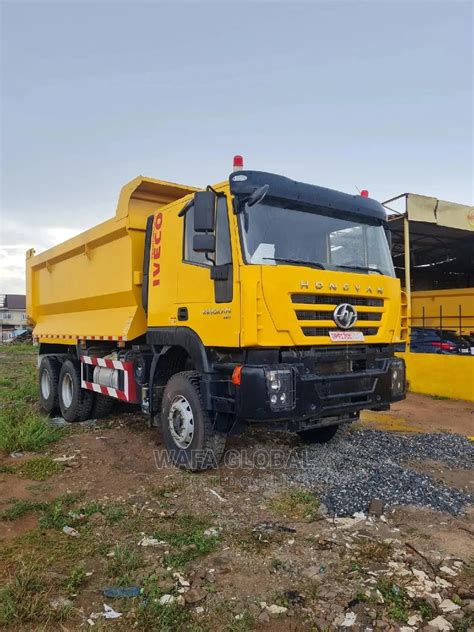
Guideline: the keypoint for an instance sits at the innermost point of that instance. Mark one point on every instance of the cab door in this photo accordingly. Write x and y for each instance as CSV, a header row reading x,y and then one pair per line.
x,y
208,299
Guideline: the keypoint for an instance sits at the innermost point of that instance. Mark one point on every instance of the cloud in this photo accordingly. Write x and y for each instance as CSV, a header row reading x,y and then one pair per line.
x,y
16,240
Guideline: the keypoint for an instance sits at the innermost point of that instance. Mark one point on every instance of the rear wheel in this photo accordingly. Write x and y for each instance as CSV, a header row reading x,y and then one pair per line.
x,y
319,435
102,406
75,402
188,432
48,379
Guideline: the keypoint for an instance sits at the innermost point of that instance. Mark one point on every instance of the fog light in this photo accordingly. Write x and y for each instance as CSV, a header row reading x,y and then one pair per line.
x,y
280,389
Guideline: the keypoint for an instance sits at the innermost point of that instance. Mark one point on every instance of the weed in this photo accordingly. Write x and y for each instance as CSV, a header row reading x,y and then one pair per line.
x,y
396,600
40,468
424,608
115,513
77,578
296,503
123,564
25,430
244,624
24,599
371,550
155,617
188,539
464,624
18,508
7,469
276,564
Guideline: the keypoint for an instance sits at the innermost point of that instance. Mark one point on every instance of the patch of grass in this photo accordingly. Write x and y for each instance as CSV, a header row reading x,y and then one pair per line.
x,y
373,551
24,599
77,578
22,429
396,600
464,624
245,624
55,515
19,508
187,538
155,617
115,513
424,608
7,469
276,564
40,468
296,503
123,564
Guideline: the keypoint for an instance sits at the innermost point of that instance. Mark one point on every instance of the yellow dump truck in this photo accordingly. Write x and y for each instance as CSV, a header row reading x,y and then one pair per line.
x,y
257,300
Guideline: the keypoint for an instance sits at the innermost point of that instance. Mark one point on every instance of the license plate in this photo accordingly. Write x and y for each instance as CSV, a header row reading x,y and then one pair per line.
x,y
346,336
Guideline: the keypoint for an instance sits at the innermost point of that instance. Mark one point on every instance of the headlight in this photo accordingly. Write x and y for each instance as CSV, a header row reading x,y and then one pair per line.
x,y
397,370
281,389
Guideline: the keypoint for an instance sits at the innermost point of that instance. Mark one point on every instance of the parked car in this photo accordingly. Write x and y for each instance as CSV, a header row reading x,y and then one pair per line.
x,y
424,340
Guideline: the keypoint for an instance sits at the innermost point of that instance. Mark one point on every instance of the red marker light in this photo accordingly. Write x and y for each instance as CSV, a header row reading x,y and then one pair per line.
x,y
364,193
237,375
238,163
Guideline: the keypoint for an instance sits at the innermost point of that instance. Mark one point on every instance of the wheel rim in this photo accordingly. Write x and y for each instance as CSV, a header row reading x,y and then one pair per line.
x,y
181,422
45,384
67,388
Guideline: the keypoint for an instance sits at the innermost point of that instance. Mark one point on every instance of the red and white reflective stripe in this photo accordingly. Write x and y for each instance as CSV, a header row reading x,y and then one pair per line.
x,y
110,364
129,393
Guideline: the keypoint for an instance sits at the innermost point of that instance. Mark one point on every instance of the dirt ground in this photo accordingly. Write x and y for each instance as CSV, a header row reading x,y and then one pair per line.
x,y
421,413
227,553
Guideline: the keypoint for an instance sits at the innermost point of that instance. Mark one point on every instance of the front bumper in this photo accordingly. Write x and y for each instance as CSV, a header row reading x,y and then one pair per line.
x,y
315,396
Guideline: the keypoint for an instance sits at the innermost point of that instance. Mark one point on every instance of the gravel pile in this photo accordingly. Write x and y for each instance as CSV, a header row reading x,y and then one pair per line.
x,y
357,467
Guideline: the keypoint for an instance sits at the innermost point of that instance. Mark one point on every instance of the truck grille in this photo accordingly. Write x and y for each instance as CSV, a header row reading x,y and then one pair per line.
x,y
331,299
360,302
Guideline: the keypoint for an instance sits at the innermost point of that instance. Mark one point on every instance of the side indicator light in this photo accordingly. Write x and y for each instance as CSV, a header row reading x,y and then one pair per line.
x,y
237,375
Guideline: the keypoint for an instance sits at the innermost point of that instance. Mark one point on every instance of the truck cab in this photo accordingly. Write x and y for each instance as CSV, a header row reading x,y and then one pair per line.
x,y
264,300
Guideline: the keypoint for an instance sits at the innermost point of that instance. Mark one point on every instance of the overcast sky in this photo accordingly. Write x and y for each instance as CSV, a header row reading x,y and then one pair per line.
x,y
373,94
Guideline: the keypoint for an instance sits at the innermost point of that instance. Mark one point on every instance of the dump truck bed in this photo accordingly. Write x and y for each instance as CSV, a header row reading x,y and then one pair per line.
x,y
89,287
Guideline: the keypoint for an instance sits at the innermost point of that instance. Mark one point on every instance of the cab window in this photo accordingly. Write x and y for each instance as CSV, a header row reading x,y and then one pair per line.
x,y
223,252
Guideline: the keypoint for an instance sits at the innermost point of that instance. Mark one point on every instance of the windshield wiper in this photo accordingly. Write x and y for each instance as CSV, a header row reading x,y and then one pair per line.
x,y
364,268
298,262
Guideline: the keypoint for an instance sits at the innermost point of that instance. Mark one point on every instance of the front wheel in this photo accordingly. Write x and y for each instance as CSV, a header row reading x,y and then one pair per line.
x,y
319,435
188,432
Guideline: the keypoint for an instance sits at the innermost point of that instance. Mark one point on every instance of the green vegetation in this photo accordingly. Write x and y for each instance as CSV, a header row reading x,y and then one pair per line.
x,y
40,468
24,599
187,539
77,579
296,503
372,550
123,564
23,429
19,508
396,600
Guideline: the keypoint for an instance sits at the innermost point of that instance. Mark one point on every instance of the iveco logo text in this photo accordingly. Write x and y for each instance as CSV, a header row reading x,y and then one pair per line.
x,y
319,285
345,316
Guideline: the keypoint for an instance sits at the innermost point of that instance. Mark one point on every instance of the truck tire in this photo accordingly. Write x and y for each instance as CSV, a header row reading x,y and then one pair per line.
x,y
187,430
75,402
319,435
48,379
101,406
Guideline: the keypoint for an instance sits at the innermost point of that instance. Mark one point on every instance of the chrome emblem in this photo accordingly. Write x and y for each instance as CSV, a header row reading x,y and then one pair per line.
x,y
345,316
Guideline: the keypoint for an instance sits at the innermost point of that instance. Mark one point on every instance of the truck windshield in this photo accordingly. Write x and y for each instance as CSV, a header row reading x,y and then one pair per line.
x,y
276,235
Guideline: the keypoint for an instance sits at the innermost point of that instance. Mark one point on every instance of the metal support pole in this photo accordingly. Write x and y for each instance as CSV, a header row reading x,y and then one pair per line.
x,y
406,236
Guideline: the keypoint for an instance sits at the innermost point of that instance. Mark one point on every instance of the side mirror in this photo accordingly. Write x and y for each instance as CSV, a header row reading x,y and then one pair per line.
x,y
204,243
204,212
